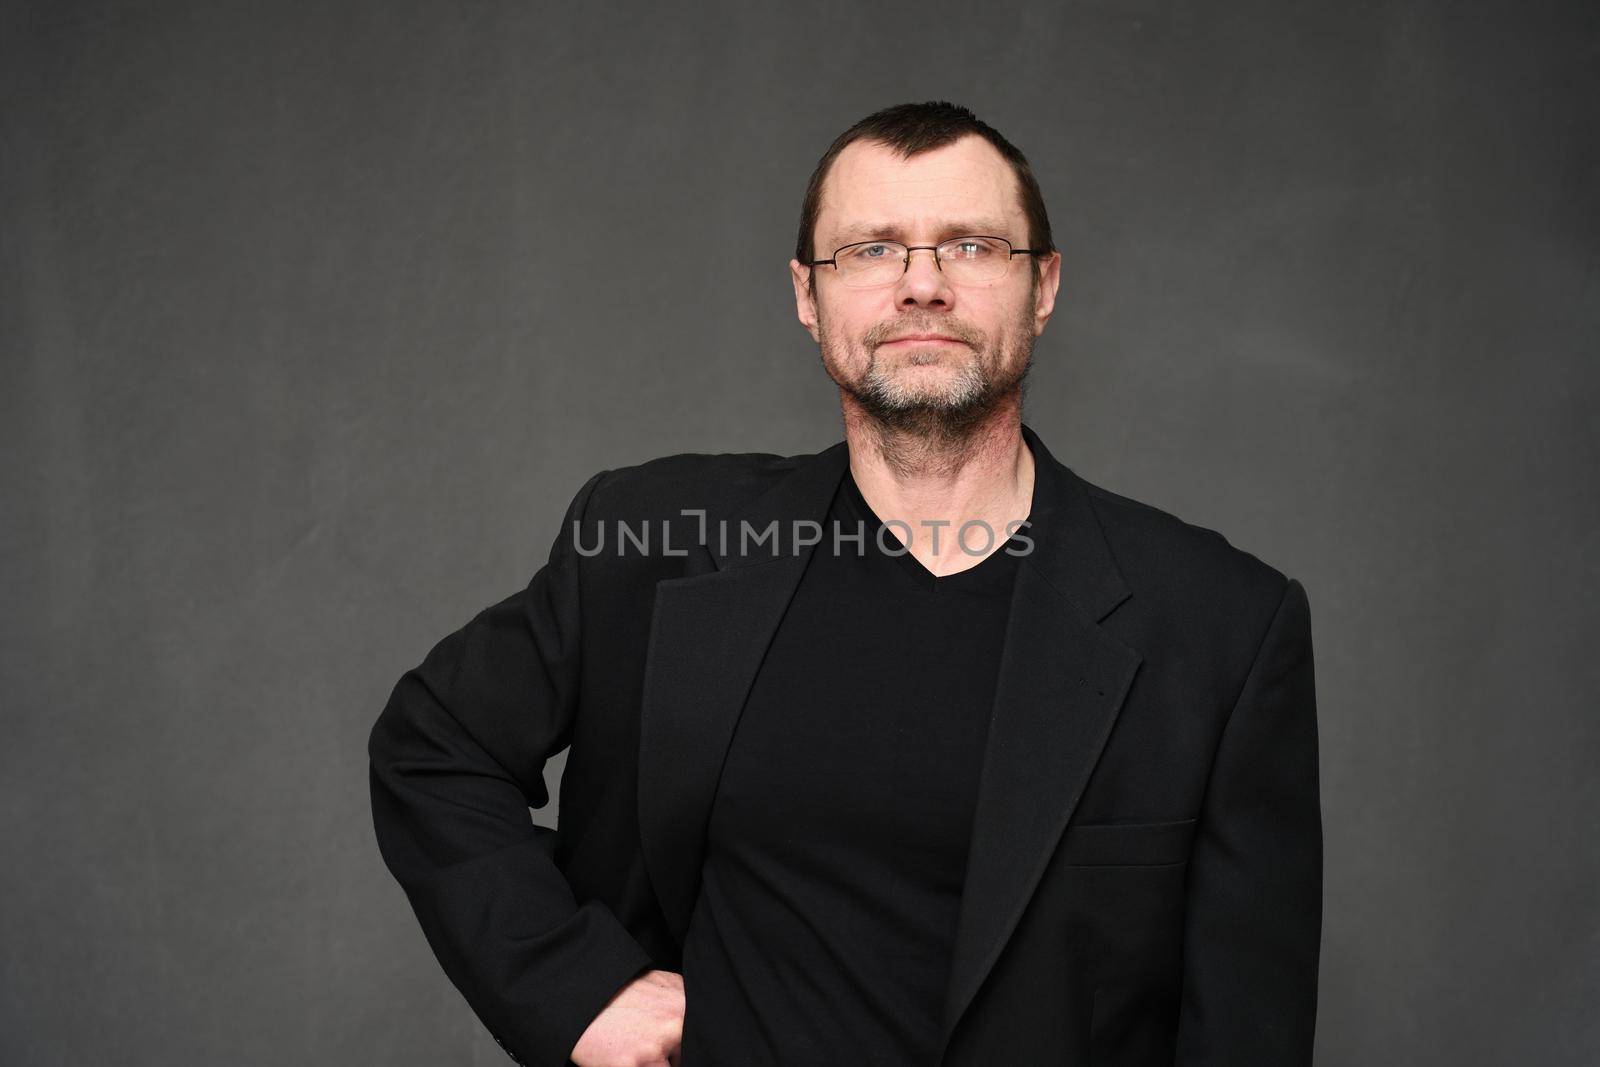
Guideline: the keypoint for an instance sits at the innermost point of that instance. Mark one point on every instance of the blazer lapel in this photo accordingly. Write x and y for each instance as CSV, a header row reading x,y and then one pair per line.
x,y
708,634
1061,684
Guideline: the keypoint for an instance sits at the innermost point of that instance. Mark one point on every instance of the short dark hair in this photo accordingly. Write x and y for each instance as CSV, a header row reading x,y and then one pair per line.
x,y
913,128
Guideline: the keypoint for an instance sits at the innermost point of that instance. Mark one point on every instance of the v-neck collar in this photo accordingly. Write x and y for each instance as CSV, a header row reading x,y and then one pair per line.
x,y
993,572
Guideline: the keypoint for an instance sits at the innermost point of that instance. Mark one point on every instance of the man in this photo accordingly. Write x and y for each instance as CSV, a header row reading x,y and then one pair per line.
x,y
1003,769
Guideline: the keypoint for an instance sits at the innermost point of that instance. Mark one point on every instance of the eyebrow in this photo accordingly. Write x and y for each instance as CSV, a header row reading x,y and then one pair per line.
x,y
871,231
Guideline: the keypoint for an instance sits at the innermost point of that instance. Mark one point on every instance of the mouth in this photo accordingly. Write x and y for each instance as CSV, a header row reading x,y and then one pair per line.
x,y
923,338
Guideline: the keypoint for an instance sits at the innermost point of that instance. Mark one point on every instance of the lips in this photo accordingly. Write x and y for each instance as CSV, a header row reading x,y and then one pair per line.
x,y
925,337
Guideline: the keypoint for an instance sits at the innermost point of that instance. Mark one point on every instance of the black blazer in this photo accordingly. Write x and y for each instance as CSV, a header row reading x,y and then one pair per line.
x,y
1144,881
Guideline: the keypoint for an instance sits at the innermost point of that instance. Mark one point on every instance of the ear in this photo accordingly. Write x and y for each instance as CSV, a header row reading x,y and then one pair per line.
x,y
1044,301
805,303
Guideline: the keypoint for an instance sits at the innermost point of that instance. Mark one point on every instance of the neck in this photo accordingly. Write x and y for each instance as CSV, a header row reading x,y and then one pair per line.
x,y
937,477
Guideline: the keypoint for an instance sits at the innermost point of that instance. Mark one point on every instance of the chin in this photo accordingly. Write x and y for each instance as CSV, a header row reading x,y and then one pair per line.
x,y
951,386
927,401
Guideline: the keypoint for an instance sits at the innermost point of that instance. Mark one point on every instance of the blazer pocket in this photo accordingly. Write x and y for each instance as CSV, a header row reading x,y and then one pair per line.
x,y
1128,844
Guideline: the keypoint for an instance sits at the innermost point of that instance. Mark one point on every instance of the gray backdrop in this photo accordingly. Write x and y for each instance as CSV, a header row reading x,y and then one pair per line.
x,y
316,315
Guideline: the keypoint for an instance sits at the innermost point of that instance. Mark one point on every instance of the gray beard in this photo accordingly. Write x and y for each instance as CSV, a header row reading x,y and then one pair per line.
x,y
944,420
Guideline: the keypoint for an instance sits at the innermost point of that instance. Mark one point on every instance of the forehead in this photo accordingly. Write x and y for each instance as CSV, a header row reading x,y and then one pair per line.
x,y
871,191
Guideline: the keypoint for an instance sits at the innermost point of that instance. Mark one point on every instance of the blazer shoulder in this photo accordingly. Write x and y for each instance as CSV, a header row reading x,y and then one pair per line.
x,y
1161,553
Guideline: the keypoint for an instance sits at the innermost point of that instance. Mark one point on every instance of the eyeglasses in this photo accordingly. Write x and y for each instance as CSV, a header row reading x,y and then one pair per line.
x,y
975,260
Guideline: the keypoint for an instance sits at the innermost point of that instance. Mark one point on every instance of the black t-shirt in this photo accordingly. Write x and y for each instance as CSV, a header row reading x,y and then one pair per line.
x,y
837,843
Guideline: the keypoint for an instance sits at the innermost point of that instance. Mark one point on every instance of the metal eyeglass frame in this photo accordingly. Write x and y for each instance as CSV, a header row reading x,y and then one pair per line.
x,y
906,263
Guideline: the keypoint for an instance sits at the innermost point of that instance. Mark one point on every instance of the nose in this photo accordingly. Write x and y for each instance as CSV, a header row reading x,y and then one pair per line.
x,y
923,282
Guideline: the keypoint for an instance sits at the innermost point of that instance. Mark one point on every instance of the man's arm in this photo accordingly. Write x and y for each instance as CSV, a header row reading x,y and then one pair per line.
x,y
456,759
1254,921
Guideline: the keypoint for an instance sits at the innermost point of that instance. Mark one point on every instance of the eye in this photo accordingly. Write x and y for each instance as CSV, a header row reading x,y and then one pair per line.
x,y
969,248
872,251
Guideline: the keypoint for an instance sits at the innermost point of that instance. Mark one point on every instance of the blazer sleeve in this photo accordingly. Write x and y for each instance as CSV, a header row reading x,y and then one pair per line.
x,y
456,758
1254,918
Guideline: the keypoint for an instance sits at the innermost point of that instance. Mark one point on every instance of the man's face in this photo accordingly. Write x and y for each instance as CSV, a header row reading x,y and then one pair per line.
x,y
961,189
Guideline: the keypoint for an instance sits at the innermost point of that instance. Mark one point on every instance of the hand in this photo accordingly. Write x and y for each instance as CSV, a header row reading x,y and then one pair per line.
x,y
642,1026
